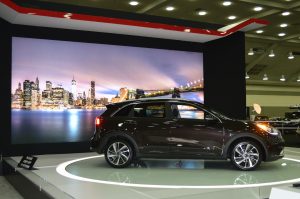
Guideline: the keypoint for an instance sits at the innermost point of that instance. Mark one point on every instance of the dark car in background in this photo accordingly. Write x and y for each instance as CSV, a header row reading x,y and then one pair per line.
x,y
181,129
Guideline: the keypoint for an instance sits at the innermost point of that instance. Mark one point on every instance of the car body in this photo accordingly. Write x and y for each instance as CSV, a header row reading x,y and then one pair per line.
x,y
181,129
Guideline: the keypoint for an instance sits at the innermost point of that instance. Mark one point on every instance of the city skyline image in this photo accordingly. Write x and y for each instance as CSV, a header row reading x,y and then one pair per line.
x,y
59,87
111,67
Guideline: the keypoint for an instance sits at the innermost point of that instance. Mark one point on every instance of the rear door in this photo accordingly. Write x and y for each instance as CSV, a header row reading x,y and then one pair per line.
x,y
152,130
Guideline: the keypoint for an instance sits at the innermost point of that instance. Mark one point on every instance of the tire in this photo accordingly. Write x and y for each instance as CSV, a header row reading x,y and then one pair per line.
x,y
246,155
118,153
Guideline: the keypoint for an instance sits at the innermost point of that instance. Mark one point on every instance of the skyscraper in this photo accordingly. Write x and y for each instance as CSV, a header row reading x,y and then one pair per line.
x,y
48,85
93,92
74,89
27,94
37,83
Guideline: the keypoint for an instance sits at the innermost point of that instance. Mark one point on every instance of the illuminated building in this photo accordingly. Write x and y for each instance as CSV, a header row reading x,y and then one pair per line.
x,y
74,89
48,85
34,98
37,83
58,95
93,92
26,94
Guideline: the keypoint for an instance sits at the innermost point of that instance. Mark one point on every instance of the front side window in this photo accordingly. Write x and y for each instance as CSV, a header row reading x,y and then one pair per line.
x,y
186,112
150,110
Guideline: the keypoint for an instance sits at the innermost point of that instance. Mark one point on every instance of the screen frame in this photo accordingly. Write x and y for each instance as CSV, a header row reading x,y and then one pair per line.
x,y
74,36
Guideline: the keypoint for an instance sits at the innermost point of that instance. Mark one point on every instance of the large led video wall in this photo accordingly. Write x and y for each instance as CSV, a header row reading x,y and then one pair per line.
x,y
59,87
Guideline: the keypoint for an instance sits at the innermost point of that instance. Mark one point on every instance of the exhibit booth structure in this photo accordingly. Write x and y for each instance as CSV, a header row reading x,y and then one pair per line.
x,y
62,66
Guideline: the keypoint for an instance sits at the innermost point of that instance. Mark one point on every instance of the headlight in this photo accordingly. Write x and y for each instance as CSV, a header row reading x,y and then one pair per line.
x,y
268,129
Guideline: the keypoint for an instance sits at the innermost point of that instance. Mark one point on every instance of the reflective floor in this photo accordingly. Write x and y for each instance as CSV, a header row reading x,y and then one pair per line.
x,y
185,172
202,176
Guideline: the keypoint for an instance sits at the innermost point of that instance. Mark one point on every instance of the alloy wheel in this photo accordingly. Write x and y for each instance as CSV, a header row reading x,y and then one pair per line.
x,y
118,153
246,155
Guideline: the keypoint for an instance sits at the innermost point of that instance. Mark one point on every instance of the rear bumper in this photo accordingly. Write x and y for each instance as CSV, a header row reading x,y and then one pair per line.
x,y
94,142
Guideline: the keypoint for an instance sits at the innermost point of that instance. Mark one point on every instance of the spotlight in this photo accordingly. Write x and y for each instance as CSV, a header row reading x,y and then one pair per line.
x,y
257,8
281,34
227,3
134,3
202,12
282,78
265,78
259,31
285,13
170,8
271,53
291,56
247,76
298,80
232,17
283,25
251,52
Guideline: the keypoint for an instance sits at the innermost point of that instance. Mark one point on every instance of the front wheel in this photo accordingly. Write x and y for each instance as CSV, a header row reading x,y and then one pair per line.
x,y
119,154
246,155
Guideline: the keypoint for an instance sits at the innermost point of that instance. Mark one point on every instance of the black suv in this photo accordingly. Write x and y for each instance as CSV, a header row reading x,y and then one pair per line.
x,y
181,129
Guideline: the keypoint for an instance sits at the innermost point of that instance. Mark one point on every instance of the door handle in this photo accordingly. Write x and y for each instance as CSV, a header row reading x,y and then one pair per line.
x,y
130,122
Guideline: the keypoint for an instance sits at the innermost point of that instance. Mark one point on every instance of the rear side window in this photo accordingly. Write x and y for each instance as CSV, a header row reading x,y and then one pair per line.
x,y
124,111
150,110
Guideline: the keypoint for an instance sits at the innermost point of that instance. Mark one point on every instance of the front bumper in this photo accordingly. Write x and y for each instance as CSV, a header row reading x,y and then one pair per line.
x,y
275,152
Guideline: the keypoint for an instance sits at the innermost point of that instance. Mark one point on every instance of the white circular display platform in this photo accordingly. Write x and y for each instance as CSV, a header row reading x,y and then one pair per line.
x,y
243,181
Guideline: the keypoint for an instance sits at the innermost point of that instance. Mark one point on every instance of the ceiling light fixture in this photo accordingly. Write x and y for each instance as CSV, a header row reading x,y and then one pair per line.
x,y
227,3
257,8
283,25
251,52
232,17
281,34
134,3
202,13
259,31
282,78
170,8
298,80
291,56
272,54
265,78
247,76
286,13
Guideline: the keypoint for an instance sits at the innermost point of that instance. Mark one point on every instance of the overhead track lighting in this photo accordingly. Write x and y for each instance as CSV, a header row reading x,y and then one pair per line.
x,y
272,54
265,78
282,78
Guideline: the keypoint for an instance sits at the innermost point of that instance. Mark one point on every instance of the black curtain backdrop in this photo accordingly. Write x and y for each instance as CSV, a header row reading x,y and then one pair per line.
x,y
224,75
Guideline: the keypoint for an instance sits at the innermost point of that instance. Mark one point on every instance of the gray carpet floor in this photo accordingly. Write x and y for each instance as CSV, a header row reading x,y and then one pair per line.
x,y
7,191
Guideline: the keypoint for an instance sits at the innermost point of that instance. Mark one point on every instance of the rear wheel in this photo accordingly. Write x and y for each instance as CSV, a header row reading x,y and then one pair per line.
x,y
246,155
119,153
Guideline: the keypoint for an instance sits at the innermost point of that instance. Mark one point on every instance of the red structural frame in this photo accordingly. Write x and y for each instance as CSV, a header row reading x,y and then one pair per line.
x,y
127,22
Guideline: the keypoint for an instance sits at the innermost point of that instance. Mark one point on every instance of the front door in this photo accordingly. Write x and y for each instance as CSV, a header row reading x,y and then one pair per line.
x,y
195,132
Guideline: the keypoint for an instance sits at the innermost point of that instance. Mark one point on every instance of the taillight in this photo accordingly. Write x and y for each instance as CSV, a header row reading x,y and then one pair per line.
x,y
99,121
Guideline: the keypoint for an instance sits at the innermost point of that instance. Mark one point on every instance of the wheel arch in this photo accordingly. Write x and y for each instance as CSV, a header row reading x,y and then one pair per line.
x,y
248,137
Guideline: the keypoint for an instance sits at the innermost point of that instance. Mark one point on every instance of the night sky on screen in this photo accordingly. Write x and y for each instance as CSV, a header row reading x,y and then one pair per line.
x,y
110,66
